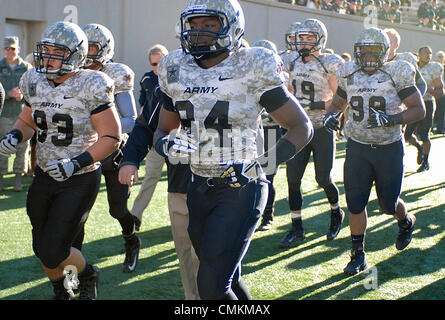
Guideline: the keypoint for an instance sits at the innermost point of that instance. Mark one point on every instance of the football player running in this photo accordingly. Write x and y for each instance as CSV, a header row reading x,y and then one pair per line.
x,y
214,92
72,111
313,81
100,53
432,72
394,43
382,96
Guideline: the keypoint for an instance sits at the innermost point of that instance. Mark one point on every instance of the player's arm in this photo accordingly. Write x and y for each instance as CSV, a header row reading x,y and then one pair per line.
x,y
337,106
127,109
437,88
287,112
22,130
106,124
415,107
333,85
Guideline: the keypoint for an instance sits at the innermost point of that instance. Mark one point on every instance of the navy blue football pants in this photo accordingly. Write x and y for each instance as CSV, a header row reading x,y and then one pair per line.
x,y
222,223
365,164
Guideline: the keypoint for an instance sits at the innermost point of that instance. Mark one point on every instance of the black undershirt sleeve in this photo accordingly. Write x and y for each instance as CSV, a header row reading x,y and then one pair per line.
x,y
274,99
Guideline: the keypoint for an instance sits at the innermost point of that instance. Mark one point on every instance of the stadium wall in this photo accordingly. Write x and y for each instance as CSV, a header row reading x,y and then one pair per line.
x,y
138,24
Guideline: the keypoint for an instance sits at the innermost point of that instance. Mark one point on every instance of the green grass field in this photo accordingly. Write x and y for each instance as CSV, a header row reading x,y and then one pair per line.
x,y
311,269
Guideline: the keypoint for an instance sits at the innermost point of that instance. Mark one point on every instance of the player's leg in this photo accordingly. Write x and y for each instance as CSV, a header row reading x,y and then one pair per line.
x,y
324,153
54,229
411,139
388,182
423,131
117,195
222,223
295,168
358,179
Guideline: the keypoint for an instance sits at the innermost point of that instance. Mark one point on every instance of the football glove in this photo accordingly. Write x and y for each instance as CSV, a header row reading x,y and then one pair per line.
x,y
60,170
378,118
330,121
8,144
240,172
176,145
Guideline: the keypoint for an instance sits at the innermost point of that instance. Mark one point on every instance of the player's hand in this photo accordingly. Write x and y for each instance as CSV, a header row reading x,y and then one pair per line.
x,y
330,121
178,145
128,174
377,118
8,144
240,172
62,169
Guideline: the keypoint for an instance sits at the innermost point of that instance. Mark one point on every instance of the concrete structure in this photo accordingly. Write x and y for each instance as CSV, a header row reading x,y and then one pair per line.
x,y
138,24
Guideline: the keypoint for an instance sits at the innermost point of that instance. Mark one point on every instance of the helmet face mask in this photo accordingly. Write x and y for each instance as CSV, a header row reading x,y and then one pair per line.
x,y
206,42
315,28
64,42
371,49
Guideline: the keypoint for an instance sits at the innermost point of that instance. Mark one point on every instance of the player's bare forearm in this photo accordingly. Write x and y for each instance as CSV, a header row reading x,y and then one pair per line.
x,y
25,124
107,126
299,127
337,104
415,108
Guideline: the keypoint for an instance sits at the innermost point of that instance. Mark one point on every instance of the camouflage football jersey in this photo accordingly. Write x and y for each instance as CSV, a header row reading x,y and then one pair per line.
x,y
220,105
378,91
406,56
431,71
309,81
62,114
121,74
123,78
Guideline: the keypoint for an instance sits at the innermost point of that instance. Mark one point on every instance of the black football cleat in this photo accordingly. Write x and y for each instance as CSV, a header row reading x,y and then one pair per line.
x,y
357,263
266,223
63,294
292,236
131,255
424,167
405,235
88,285
337,217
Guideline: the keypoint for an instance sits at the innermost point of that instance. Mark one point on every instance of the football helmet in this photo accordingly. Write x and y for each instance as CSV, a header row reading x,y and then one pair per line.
x,y
66,36
102,37
266,44
374,43
312,27
291,36
230,15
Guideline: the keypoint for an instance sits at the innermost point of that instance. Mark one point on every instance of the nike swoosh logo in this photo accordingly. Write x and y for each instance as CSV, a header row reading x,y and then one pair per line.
x,y
131,268
66,97
381,81
223,79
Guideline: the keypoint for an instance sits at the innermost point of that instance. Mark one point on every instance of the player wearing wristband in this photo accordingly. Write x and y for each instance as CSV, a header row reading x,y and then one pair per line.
x,y
382,96
72,111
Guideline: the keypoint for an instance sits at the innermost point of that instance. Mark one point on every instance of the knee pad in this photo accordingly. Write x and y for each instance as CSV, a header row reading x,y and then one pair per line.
x,y
356,205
